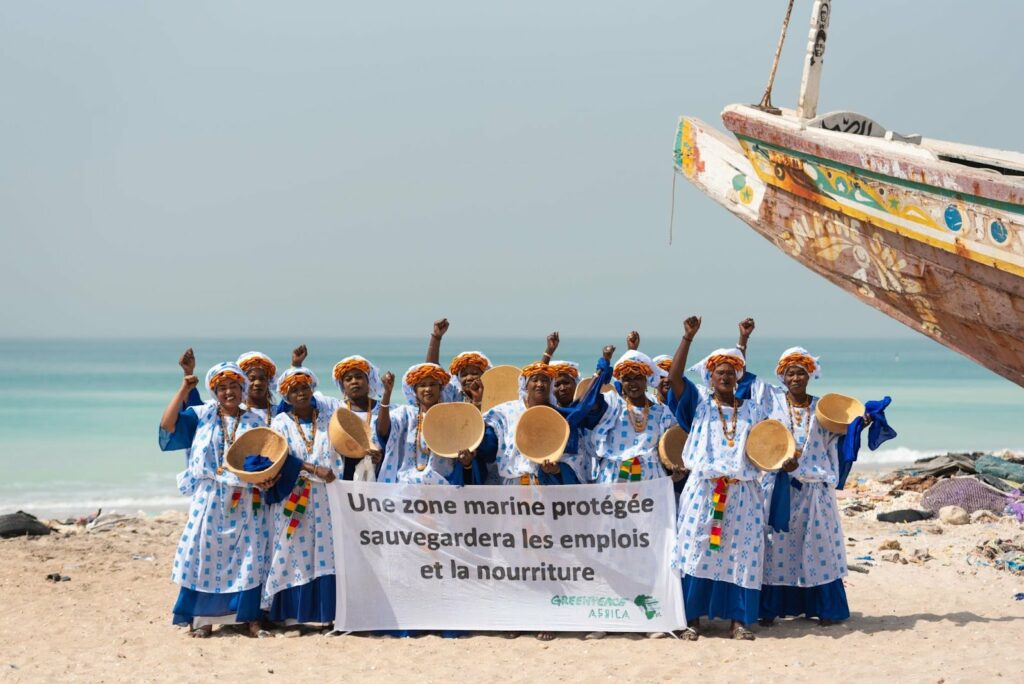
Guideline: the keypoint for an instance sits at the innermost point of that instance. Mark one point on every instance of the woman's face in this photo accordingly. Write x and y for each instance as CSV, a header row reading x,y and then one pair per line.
x,y
663,387
538,389
229,394
796,379
565,389
300,395
634,386
470,373
259,384
428,393
723,378
355,384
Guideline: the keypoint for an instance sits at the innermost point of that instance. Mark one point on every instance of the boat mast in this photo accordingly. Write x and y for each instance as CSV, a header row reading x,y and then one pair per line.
x,y
807,105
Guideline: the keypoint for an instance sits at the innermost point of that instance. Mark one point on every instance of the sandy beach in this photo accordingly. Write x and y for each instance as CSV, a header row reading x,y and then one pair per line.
x,y
949,618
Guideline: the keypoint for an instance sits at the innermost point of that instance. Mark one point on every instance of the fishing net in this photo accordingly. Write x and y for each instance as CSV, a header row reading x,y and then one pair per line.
x,y
966,492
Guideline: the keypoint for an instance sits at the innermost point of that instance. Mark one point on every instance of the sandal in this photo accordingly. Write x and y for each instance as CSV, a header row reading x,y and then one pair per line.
x,y
545,636
203,632
591,636
689,634
510,635
741,633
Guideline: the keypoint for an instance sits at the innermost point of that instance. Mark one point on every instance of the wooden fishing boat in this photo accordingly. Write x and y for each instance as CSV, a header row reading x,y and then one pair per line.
x,y
929,232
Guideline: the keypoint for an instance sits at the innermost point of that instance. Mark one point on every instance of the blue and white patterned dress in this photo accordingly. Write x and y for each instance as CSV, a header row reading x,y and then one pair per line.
x,y
512,465
615,441
812,554
723,582
223,550
308,554
406,461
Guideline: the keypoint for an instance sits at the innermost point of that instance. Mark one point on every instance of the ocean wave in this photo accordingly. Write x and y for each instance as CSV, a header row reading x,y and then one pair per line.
x,y
73,507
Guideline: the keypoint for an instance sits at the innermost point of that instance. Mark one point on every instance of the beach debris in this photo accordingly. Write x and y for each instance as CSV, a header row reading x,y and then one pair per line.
x,y
1005,554
984,516
904,515
140,557
1000,467
943,466
954,515
867,557
891,556
856,567
857,506
57,577
1019,596
967,493
921,556
932,529
912,483
108,521
890,545
22,524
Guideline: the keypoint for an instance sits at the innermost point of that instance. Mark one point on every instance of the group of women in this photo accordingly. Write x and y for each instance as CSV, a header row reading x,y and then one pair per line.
x,y
249,553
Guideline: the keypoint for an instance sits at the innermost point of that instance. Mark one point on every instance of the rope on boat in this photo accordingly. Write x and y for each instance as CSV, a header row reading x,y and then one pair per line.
x,y
766,99
672,209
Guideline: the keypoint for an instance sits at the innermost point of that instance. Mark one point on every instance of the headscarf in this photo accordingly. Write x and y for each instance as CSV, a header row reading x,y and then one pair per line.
x,y
798,356
664,362
224,371
570,368
634,362
733,357
532,369
356,362
468,358
255,359
417,374
294,376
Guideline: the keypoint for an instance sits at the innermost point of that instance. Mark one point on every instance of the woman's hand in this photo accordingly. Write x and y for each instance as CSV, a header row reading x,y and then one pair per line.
x,y
299,355
189,382
188,362
607,353
746,328
550,467
388,381
268,484
474,389
678,473
690,327
553,341
790,464
375,455
466,457
440,328
633,340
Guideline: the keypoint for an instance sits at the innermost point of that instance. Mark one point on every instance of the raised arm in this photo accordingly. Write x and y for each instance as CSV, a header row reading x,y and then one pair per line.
x,y
633,340
169,421
434,345
746,330
384,408
299,355
675,374
549,351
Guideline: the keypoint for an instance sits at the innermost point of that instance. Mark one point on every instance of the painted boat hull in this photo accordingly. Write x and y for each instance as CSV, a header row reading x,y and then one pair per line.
x,y
934,246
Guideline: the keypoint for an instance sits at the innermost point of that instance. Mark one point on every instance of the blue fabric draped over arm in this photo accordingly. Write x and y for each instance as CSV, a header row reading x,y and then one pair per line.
x,y
193,398
588,411
743,387
779,509
184,432
685,407
289,476
487,452
879,433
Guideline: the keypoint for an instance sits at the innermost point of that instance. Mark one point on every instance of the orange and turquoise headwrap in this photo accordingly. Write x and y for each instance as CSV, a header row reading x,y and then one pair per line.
x,y
295,376
420,372
466,359
255,359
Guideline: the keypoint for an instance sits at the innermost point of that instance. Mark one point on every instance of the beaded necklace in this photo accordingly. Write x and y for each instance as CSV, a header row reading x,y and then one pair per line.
x,y
229,438
730,434
421,448
369,409
796,417
639,422
302,433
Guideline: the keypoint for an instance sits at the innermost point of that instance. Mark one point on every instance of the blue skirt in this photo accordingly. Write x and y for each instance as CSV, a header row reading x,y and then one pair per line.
x,y
310,602
716,599
827,601
244,605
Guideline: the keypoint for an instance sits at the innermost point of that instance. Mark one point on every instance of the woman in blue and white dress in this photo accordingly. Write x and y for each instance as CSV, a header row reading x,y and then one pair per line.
x,y
222,555
625,441
407,458
805,558
300,585
719,546
535,389
361,392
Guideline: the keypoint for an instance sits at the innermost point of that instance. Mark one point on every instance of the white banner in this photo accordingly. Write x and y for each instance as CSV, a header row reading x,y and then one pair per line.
x,y
517,558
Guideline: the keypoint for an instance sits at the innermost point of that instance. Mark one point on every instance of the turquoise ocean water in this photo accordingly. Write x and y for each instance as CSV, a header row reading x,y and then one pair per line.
x,y
78,418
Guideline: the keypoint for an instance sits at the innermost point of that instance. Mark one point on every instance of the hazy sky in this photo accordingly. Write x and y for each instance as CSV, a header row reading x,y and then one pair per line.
x,y
329,168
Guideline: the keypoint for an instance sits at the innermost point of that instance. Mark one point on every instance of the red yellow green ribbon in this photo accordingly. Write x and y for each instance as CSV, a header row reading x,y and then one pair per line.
x,y
631,470
718,499
296,504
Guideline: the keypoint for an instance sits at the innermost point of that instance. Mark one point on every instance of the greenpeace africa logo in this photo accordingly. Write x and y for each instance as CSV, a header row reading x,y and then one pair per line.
x,y
648,604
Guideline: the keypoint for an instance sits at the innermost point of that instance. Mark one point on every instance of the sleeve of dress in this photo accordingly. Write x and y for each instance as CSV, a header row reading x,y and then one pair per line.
x,y
289,476
184,432
452,391
487,452
193,398
390,464
685,407
588,412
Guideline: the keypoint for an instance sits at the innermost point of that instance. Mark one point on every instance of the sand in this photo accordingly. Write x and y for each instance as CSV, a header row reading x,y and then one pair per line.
x,y
946,619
